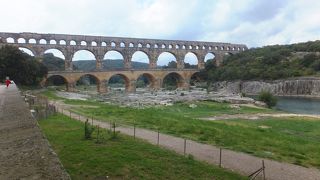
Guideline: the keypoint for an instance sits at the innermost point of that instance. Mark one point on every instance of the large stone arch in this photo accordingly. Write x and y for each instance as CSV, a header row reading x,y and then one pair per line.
x,y
60,75
195,55
209,55
100,86
89,53
127,82
145,53
161,53
218,57
118,52
45,51
180,80
65,79
85,49
152,79
196,79
87,74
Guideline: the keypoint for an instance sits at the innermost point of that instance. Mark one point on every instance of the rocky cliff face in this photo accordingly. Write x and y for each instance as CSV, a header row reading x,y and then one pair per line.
x,y
288,87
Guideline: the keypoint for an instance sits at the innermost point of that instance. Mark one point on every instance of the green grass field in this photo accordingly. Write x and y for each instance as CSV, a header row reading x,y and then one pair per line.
x,y
120,158
294,140
289,139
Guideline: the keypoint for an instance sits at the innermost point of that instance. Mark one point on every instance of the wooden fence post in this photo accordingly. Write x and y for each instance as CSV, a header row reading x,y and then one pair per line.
x,y
185,147
220,155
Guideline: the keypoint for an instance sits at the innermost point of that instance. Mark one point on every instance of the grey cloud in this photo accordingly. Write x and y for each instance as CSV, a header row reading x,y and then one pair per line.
x,y
263,10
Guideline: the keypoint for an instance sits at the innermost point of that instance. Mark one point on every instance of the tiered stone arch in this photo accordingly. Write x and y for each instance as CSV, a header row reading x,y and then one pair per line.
x,y
156,78
99,45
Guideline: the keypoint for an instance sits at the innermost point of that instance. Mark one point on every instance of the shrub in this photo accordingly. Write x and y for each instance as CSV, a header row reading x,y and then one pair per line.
x,y
267,98
88,130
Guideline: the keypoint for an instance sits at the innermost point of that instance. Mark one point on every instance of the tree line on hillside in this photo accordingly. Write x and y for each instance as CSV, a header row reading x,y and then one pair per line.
x,y
268,63
173,64
20,67
54,63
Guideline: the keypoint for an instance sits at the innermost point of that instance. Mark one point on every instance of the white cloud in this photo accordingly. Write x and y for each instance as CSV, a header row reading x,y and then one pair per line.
x,y
255,23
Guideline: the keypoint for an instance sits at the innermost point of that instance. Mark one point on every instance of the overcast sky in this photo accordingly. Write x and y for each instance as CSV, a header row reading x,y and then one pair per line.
x,y
251,22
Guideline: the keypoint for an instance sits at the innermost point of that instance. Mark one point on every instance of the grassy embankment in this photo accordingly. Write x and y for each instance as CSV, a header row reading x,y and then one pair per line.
x,y
122,157
294,140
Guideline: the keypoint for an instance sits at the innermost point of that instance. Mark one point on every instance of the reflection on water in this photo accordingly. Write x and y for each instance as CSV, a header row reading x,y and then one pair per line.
x,y
299,105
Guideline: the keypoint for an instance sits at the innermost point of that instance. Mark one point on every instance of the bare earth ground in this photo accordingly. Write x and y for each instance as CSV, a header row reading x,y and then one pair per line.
x,y
24,151
242,163
256,116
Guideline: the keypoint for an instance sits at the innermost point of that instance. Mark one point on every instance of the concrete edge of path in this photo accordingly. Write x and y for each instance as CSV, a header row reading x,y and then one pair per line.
x,y
25,151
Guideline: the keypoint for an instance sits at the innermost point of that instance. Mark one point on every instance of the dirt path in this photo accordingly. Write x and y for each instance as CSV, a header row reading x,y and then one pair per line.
x,y
24,152
256,116
236,161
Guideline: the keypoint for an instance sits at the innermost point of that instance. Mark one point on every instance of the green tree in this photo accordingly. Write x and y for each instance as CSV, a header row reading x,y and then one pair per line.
x,y
171,64
268,63
20,67
267,98
54,63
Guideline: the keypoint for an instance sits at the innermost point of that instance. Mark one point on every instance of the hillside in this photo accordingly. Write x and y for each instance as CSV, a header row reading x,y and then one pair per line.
x,y
269,63
54,63
88,65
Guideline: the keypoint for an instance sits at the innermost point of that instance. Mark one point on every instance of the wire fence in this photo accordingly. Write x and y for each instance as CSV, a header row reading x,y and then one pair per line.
x,y
42,109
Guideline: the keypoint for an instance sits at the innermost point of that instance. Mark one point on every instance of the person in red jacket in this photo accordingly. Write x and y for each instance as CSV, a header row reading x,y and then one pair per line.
x,y
8,82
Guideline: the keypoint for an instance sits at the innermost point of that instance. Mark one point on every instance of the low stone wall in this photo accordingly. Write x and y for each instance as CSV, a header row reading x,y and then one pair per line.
x,y
287,87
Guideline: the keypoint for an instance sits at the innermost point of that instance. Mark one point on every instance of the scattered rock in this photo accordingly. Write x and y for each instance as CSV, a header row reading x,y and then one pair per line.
x,y
260,104
235,106
264,127
192,106
143,98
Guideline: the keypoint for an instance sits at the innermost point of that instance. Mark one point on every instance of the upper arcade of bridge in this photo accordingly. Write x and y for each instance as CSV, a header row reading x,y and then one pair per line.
x,y
100,45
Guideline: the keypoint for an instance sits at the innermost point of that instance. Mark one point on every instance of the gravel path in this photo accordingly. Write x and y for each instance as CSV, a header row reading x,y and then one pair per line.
x,y
24,152
235,161
256,116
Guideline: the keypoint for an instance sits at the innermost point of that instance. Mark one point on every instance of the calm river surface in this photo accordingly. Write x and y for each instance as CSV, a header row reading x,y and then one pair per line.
x,y
299,105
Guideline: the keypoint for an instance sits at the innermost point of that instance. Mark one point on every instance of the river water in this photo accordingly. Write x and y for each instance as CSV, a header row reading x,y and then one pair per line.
x,y
299,105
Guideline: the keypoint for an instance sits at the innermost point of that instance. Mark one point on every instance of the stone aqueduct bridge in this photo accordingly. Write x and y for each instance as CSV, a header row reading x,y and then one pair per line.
x,y
155,77
100,45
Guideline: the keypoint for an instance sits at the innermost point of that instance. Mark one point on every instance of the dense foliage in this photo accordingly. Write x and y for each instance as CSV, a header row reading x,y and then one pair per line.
x,y
57,64
267,98
173,64
20,67
52,62
89,65
269,63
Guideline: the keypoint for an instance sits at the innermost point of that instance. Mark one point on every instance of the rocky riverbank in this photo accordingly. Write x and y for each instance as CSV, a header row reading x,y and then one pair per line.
x,y
303,86
144,98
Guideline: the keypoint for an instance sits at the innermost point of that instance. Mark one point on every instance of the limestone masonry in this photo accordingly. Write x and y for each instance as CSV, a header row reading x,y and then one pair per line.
x,y
100,45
